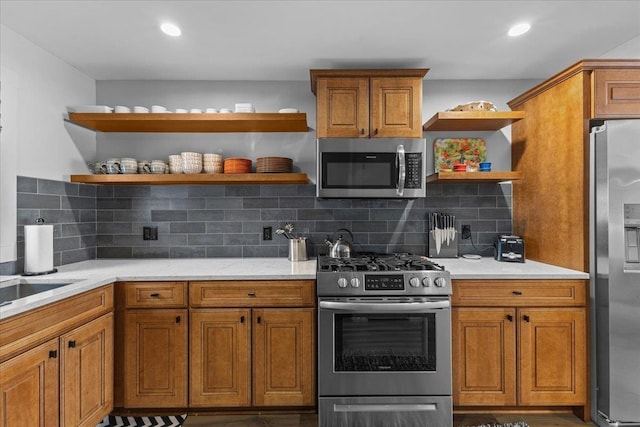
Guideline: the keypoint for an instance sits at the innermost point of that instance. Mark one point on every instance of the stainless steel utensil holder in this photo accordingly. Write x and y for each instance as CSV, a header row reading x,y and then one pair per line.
x,y
298,249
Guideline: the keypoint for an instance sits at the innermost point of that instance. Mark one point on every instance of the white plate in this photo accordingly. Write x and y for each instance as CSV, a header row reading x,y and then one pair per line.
x,y
288,110
90,109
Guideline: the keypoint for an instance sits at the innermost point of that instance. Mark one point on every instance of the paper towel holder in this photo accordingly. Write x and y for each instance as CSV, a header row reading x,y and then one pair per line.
x,y
40,221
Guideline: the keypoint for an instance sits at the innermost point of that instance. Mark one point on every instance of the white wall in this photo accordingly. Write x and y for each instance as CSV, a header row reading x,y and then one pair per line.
x,y
628,50
38,143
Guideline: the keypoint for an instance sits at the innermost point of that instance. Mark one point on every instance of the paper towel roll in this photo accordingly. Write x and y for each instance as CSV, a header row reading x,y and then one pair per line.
x,y
38,248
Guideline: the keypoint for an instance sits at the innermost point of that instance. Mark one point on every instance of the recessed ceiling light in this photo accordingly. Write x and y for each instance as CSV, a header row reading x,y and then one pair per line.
x,y
170,29
519,29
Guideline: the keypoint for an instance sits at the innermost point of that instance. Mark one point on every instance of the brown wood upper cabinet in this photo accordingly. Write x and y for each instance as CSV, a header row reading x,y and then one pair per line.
x,y
368,103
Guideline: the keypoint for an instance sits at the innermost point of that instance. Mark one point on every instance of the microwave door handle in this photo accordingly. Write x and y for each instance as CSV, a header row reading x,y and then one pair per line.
x,y
402,173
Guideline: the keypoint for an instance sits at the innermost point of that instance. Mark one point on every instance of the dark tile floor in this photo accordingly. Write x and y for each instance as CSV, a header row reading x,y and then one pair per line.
x,y
311,420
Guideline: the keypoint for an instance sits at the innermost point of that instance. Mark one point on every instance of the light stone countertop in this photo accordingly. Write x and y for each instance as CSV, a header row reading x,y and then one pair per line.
x,y
88,275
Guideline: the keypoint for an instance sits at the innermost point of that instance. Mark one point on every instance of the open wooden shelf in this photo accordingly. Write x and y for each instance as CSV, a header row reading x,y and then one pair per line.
x,y
193,179
192,122
471,120
473,177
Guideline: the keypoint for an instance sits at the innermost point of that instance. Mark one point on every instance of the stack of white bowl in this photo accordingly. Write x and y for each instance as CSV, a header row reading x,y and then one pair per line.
x,y
213,163
128,165
191,162
175,163
244,107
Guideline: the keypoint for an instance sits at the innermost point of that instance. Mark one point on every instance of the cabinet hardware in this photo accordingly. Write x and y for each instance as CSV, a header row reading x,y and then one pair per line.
x,y
362,131
178,319
509,318
375,132
72,344
259,319
251,294
154,295
526,318
517,292
241,319
53,354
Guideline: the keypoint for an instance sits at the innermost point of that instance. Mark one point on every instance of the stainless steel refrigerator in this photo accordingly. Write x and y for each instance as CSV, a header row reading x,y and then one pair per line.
x,y
615,272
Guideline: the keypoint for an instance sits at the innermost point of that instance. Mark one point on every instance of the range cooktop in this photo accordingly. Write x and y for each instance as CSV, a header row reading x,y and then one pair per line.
x,y
378,262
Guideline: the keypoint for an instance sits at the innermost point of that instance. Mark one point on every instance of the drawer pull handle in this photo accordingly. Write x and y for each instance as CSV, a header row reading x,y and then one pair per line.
x,y
53,354
154,295
526,318
509,318
375,132
251,294
241,319
517,292
259,319
362,131
72,344
178,319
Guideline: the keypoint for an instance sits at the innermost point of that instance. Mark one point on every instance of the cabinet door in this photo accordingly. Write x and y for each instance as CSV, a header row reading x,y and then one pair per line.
x,y
484,358
342,107
617,93
284,357
155,366
396,107
86,373
552,364
220,342
29,388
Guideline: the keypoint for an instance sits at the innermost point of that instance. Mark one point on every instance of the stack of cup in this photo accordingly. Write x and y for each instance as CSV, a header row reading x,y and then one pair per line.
x,y
175,163
158,166
191,162
213,163
128,165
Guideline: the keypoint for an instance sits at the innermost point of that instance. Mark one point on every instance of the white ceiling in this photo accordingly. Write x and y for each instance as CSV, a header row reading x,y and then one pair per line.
x,y
282,40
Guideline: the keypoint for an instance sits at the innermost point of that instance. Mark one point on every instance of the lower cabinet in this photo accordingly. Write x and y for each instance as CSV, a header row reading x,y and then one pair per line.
x,y
66,381
515,345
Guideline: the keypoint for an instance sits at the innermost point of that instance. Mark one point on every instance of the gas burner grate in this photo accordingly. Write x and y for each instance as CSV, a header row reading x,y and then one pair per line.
x,y
378,262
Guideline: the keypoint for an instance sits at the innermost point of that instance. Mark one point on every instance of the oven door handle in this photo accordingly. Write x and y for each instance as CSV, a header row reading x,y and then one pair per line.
x,y
387,306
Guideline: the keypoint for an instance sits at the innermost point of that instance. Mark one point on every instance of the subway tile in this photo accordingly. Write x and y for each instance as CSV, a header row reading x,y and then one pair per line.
x,y
151,252
351,214
26,184
87,190
369,226
278,190
497,213
169,191
66,244
59,216
315,214
415,238
129,240
105,215
259,202
435,190
242,190
504,226
169,215
170,240
331,226
442,202
114,203
37,201
131,191
478,201
104,191
242,214
27,216
333,203
224,203
77,203
57,259
206,191
206,215
114,228
78,229
386,214
369,203
278,214
78,255
308,190
47,186
150,204
297,202
132,216
224,251
187,204
259,251
89,241
406,226
88,215
104,240
386,238
114,252
188,252
205,239
460,190
240,239
226,227
187,227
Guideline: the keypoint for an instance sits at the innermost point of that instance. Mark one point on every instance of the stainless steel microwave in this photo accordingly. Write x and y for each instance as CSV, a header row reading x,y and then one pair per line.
x,y
371,168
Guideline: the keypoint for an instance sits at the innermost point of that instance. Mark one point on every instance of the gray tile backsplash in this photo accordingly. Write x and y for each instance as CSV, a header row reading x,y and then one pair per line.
x,y
226,221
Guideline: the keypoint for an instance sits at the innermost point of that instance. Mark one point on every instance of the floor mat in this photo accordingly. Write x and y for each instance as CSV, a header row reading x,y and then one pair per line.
x,y
160,421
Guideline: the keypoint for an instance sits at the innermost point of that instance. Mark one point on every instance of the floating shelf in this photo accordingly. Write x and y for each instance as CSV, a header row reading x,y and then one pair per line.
x,y
471,120
473,177
193,179
191,122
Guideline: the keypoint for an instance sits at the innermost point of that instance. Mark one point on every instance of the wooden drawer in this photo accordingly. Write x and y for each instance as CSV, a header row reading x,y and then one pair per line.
x,y
17,333
519,293
155,294
254,293
617,93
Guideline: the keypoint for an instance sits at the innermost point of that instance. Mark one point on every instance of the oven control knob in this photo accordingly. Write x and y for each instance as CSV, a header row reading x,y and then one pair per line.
x,y
342,282
440,282
426,282
414,281
355,282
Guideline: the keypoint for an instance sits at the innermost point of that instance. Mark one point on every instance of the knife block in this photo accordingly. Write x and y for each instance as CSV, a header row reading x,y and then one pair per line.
x,y
449,250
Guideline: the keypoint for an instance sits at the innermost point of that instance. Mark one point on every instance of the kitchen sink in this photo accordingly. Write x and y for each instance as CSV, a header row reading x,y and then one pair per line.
x,y
26,288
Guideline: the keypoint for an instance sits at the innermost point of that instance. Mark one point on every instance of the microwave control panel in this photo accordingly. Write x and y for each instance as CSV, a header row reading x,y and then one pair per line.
x,y
413,162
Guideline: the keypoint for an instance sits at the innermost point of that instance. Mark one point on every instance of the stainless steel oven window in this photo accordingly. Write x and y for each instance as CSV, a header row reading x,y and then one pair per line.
x,y
386,342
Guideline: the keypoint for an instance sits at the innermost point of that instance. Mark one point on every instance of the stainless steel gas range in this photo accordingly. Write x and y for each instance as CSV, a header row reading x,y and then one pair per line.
x,y
384,341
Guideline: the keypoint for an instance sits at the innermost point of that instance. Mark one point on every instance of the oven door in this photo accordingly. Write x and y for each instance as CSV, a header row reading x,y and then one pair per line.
x,y
384,346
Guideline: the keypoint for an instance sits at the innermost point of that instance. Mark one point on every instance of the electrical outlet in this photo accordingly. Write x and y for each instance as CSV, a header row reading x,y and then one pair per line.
x,y
149,233
267,233
466,231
